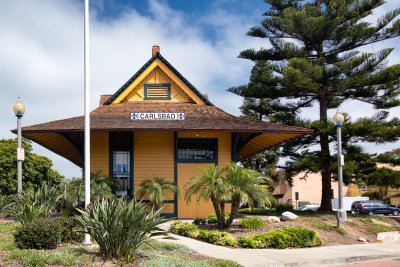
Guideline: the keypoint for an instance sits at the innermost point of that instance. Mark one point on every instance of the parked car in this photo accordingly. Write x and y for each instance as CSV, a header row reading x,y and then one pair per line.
x,y
373,207
356,204
312,207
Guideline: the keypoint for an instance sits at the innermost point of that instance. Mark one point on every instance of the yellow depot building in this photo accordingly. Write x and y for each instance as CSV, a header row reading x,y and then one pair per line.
x,y
159,123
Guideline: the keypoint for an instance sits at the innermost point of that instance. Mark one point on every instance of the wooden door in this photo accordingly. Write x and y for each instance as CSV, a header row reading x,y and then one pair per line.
x,y
193,209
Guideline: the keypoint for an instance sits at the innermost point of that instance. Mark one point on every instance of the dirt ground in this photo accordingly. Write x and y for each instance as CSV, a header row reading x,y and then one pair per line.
x,y
355,227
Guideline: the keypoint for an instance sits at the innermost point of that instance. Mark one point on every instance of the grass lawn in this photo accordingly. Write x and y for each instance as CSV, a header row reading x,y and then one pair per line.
x,y
154,253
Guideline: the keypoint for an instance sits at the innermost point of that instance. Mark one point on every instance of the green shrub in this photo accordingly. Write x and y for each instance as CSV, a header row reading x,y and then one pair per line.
x,y
71,230
212,218
43,233
199,221
283,207
184,229
191,230
246,242
294,237
269,212
120,226
203,235
252,223
221,238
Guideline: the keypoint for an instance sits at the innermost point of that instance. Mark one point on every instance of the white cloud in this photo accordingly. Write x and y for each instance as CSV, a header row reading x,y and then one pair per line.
x,y
42,56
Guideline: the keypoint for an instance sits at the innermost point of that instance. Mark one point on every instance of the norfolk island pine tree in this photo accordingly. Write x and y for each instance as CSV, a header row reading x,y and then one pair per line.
x,y
314,61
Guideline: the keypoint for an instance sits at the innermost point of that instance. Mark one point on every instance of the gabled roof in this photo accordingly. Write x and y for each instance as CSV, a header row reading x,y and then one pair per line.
x,y
117,117
142,69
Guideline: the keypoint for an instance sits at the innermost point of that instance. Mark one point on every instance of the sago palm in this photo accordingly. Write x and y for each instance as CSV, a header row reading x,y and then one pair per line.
x,y
210,185
155,189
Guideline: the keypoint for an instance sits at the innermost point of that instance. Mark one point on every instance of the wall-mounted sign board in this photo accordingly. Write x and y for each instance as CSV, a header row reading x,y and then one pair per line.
x,y
158,116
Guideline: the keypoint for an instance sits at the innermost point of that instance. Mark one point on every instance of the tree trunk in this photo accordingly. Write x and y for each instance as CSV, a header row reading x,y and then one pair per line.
x,y
234,211
156,207
217,211
327,195
222,209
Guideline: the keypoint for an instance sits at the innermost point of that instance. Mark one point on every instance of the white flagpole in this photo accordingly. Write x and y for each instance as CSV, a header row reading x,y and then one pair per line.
x,y
87,115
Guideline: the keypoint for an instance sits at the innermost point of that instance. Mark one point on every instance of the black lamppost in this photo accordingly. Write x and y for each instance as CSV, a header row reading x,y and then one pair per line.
x,y
338,120
19,110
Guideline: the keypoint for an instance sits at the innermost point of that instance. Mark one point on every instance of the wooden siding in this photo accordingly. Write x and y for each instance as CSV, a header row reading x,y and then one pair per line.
x,y
158,72
153,153
157,76
99,152
224,143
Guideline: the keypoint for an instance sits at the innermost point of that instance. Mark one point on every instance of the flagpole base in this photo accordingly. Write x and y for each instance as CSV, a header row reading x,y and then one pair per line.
x,y
87,240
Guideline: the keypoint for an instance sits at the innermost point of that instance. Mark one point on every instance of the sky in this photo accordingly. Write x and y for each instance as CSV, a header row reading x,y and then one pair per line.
x,y
41,59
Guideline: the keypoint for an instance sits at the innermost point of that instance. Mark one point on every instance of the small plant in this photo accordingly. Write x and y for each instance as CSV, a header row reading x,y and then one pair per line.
x,y
378,228
120,226
199,221
324,226
252,223
43,233
352,224
340,230
212,218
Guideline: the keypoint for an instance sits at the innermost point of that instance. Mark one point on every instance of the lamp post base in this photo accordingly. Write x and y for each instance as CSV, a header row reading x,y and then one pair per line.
x,y
341,216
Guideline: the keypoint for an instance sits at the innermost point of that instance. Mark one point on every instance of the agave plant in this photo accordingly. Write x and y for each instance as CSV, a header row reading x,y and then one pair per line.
x,y
33,204
120,226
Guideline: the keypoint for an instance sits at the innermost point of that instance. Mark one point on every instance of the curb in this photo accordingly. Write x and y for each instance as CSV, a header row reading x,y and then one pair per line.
x,y
345,260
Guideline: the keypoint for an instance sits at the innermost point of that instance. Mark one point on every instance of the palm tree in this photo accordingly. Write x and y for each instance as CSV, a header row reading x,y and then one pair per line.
x,y
155,189
100,186
232,181
244,185
210,185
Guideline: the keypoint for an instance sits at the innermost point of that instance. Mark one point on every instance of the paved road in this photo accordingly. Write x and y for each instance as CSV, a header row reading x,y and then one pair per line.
x,y
391,263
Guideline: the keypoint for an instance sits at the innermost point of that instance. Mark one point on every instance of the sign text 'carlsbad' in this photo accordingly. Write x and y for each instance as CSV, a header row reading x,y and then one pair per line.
x,y
158,116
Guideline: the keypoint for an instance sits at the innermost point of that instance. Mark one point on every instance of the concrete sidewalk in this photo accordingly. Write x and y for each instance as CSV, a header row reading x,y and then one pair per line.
x,y
320,256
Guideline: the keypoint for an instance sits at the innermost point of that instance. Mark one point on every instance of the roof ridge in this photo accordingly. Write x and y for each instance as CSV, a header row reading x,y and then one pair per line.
x,y
176,72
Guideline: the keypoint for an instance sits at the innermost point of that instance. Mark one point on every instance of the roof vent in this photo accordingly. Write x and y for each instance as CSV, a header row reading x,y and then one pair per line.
x,y
155,50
